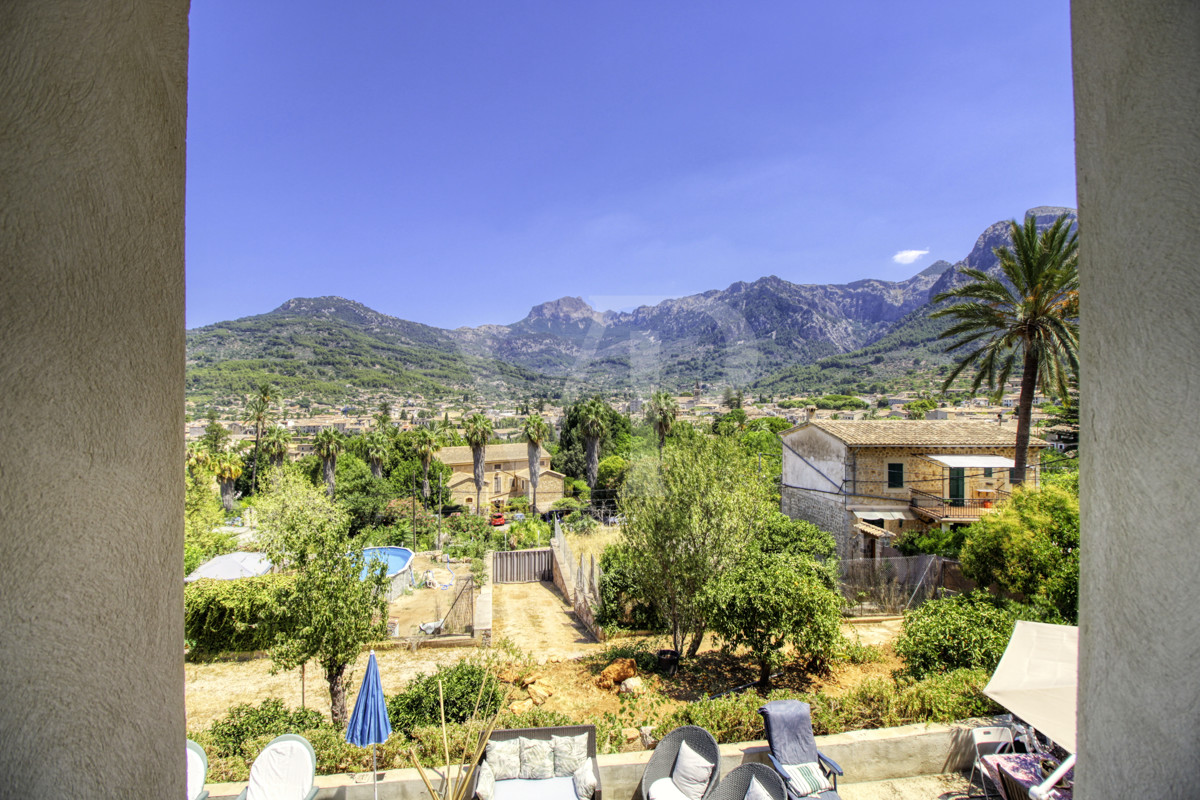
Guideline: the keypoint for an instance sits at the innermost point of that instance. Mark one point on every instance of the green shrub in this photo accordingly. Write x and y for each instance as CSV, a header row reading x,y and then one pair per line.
x,y
967,632
852,651
644,654
229,736
223,616
732,718
418,705
621,599
478,571
946,698
530,532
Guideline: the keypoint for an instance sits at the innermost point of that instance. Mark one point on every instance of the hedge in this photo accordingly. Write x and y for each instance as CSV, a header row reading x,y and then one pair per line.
x,y
233,616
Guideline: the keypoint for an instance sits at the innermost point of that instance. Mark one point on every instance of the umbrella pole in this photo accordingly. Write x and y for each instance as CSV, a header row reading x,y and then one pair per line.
x,y
374,772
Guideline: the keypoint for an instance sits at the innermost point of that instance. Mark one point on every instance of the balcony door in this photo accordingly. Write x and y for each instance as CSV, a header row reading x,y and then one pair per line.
x,y
958,486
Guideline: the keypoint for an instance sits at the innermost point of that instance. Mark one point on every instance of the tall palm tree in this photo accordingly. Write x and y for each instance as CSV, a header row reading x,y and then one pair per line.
x,y
376,446
534,432
275,443
258,411
1031,313
328,445
661,412
593,422
477,429
426,443
228,468
198,458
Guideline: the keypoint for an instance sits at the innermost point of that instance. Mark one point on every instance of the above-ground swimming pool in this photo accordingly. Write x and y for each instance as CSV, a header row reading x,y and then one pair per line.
x,y
399,572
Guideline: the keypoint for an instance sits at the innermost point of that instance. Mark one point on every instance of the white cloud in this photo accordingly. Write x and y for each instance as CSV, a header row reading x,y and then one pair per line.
x,y
908,256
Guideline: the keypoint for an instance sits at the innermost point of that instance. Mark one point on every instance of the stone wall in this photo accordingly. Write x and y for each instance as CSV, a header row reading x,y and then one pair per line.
x,y
827,512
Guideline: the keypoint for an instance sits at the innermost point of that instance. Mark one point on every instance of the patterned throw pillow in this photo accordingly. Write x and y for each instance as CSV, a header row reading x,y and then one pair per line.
x,y
537,759
585,780
485,787
807,778
505,758
569,753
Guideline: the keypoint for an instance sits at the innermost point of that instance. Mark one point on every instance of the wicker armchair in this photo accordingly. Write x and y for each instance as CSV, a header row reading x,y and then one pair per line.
x,y
663,759
734,785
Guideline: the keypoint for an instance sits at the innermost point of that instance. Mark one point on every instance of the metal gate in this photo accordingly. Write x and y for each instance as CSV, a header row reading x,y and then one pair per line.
x,y
461,616
523,566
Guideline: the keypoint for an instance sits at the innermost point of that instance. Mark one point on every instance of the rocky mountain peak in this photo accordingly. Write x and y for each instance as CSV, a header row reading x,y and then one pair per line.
x,y
564,309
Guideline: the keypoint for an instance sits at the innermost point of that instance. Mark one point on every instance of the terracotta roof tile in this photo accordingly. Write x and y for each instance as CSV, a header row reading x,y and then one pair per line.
x,y
512,451
931,433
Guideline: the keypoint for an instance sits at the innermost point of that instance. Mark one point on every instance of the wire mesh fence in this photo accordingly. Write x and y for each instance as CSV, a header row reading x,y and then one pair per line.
x,y
873,586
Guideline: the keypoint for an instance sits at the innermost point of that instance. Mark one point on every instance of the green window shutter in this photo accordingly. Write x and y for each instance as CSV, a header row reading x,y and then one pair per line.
x,y
896,476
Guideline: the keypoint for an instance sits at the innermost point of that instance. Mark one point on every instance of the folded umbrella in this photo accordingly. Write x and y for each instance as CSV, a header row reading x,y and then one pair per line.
x,y
369,724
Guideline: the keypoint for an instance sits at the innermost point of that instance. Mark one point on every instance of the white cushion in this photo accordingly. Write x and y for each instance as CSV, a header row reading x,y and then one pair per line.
x,y
548,789
505,758
485,786
569,753
756,791
283,771
537,759
665,789
585,780
691,772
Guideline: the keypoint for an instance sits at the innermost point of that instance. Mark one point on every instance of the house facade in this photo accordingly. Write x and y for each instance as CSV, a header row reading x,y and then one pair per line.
x,y
506,476
868,481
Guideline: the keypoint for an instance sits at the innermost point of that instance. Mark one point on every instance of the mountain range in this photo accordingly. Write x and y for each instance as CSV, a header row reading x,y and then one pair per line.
x,y
768,333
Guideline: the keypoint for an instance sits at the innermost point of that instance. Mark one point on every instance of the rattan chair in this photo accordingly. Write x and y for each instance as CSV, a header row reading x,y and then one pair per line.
x,y
663,759
734,785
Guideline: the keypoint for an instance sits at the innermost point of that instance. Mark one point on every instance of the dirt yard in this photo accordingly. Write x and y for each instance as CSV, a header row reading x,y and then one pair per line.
x,y
536,618
427,604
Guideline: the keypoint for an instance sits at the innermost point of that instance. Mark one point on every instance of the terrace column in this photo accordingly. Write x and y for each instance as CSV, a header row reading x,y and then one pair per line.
x,y
1137,117
94,99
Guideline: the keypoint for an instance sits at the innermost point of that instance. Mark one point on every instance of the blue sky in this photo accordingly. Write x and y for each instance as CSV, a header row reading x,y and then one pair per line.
x,y
456,163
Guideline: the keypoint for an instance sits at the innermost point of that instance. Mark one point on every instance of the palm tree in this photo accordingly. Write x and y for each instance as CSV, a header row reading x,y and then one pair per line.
x,y
534,432
198,458
593,422
328,445
477,429
426,443
383,418
275,443
258,411
376,447
1031,313
661,412
228,468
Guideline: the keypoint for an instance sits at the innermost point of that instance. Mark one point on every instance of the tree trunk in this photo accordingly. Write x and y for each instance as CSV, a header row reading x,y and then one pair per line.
x,y
328,469
534,469
592,449
254,466
425,480
227,495
377,467
1024,412
337,695
694,645
478,465
764,674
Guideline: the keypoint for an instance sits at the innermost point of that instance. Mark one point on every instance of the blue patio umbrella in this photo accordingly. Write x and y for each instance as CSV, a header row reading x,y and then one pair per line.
x,y
369,724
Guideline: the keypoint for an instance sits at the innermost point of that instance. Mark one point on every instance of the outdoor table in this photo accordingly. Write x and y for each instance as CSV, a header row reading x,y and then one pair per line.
x,y
1016,773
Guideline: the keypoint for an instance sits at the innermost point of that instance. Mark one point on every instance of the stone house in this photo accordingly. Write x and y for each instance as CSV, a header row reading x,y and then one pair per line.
x,y
868,481
506,475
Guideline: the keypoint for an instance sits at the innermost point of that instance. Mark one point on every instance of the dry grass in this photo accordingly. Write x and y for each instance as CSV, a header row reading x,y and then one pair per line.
x,y
593,544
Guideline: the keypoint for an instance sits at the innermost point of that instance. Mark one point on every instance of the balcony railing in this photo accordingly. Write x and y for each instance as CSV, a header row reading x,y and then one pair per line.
x,y
953,509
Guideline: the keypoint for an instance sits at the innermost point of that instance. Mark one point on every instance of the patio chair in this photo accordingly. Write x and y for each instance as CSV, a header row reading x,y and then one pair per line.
x,y
284,770
679,783
988,741
197,771
736,784
805,770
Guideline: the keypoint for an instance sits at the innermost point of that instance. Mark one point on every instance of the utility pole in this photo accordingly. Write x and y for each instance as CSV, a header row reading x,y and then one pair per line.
x,y
414,511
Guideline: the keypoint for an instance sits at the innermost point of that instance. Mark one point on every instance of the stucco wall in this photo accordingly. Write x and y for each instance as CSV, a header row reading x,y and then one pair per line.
x,y
827,512
91,374
1137,113
823,466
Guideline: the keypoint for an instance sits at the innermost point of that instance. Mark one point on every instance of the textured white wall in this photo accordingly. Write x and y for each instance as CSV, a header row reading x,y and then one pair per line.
x,y
94,99
1137,116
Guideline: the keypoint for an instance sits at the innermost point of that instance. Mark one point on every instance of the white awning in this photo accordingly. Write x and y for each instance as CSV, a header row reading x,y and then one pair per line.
x,y
1036,679
901,514
995,462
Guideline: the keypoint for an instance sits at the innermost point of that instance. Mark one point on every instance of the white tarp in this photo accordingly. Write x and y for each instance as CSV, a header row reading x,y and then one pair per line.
x,y
995,462
866,515
1037,676
232,566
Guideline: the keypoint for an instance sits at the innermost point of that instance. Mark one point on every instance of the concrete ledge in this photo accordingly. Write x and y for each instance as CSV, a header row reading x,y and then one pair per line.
x,y
874,755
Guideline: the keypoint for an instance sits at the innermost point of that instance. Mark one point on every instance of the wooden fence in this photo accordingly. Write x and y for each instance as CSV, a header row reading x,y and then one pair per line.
x,y
523,566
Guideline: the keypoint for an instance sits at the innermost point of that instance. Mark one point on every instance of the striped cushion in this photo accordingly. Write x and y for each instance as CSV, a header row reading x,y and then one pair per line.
x,y
807,778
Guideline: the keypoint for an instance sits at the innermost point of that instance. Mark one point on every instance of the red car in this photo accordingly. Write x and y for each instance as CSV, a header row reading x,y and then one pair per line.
x,y
497,518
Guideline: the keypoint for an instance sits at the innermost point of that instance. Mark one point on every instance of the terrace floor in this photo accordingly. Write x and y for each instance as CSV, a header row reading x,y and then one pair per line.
x,y
950,786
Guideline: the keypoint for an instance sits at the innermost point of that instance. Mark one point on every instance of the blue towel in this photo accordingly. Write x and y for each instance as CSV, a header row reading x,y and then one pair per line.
x,y
789,731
